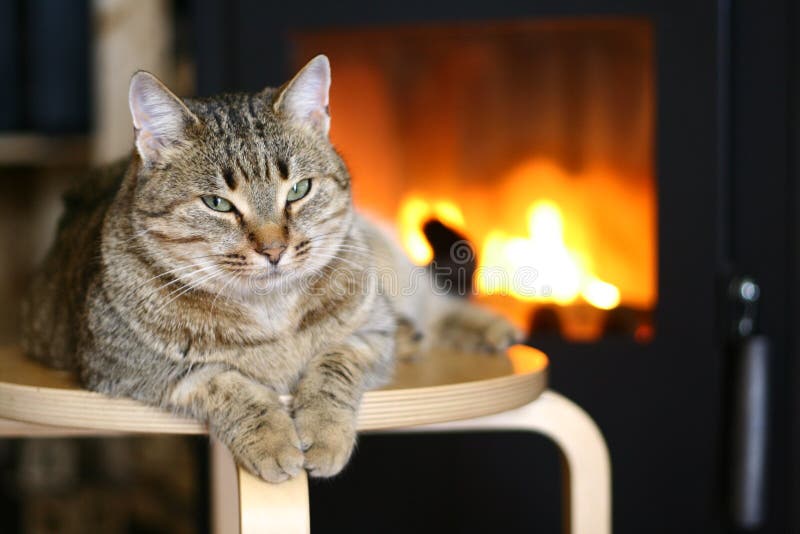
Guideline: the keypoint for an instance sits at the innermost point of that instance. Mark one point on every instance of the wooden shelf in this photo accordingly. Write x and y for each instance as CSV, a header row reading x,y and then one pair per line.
x,y
37,150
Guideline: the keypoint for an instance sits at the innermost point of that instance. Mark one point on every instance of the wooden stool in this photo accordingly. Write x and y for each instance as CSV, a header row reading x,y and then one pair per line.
x,y
442,392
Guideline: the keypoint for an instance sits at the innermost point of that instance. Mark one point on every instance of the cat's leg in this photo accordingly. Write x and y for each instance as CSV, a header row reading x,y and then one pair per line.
x,y
458,324
408,339
327,399
246,416
447,322
326,405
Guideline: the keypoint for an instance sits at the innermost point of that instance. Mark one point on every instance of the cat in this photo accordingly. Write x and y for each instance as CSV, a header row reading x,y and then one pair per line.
x,y
222,268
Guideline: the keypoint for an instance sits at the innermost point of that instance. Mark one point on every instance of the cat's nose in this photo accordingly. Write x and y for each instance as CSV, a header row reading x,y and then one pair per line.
x,y
273,251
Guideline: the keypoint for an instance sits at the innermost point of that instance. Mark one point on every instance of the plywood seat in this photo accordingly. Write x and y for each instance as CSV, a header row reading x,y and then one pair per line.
x,y
441,391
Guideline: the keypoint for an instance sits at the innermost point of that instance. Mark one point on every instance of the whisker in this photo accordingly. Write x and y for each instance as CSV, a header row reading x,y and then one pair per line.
x,y
348,252
224,286
228,296
178,269
357,252
326,235
189,287
189,282
208,256
335,257
179,278
353,246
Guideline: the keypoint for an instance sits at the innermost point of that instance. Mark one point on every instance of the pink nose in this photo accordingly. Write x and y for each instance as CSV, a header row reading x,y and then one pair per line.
x,y
273,252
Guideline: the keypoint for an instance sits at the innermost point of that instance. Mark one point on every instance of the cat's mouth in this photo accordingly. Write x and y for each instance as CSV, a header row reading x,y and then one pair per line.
x,y
271,272
258,276
257,271
256,281
267,272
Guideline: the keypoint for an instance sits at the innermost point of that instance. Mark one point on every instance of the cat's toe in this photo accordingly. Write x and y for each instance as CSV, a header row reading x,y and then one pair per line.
x,y
281,465
328,442
500,335
326,460
269,448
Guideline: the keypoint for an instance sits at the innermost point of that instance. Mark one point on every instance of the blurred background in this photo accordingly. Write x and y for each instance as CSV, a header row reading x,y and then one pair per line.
x,y
640,154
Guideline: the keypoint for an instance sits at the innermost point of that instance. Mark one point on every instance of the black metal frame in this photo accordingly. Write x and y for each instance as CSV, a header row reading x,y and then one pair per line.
x,y
793,344
763,221
661,405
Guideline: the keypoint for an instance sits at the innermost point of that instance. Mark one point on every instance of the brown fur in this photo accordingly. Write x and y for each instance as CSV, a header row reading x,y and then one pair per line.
x,y
151,294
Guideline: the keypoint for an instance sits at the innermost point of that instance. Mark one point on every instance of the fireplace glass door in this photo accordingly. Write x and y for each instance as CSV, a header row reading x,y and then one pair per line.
x,y
533,142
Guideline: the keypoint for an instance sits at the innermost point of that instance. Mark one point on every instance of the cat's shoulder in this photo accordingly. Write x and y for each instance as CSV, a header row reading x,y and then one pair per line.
x,y
95,186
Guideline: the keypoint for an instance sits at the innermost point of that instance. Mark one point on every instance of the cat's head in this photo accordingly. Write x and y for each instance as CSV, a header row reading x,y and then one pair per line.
x,y
239,187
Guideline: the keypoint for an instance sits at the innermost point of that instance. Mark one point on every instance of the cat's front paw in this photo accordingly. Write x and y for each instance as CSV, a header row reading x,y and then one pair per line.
x,y
268,446
327,435
474,329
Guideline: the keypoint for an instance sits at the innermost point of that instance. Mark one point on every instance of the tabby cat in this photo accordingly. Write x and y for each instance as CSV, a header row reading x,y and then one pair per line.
x,y
222,270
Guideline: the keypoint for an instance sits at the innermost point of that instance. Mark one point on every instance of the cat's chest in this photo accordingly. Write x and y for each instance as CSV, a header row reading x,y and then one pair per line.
x,y
274,315
231,329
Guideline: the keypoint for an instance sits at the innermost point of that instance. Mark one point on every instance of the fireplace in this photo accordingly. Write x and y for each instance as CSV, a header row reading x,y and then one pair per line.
x,y
588,144
534,140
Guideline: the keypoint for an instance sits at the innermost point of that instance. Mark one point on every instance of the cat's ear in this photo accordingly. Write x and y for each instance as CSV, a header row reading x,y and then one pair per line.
x,y
305,97
160,119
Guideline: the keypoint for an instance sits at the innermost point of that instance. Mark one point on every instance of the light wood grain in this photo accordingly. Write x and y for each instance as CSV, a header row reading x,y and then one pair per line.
x,y
438,387
245,504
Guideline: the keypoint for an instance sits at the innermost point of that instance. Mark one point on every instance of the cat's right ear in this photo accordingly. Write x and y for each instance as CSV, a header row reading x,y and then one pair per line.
x,y
304,98
160,119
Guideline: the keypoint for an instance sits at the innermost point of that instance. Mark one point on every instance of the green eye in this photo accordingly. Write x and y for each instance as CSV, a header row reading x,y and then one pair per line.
x,y
217,203
299,190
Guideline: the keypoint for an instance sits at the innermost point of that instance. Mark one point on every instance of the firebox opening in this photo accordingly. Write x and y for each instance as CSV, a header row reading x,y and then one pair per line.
x,y
534,141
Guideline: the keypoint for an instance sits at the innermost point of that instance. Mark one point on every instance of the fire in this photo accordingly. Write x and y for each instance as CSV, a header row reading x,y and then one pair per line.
x,y
540,267
534,140
601,294
414,212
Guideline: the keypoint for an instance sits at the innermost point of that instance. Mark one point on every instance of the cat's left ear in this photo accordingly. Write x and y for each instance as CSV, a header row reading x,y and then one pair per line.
x,y
304,98
160,119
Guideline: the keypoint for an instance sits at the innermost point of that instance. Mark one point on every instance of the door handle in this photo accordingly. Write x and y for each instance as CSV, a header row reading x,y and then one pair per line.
x,y
749,426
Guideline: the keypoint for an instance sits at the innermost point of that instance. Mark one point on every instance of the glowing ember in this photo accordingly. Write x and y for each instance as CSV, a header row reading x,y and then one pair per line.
x,y
601,294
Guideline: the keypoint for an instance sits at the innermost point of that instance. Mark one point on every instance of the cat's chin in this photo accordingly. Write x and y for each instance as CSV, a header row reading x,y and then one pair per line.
x,y
268,281
271,280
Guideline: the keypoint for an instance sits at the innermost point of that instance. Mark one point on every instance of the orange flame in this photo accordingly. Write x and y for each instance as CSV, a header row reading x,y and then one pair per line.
x,y
541,267
559,180
414,212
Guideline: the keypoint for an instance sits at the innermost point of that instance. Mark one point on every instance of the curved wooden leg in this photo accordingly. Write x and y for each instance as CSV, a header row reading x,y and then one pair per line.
x,y
246,504
588,475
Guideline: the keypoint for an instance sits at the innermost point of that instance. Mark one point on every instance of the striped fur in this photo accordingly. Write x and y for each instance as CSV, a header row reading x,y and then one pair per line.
x,y
150,294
